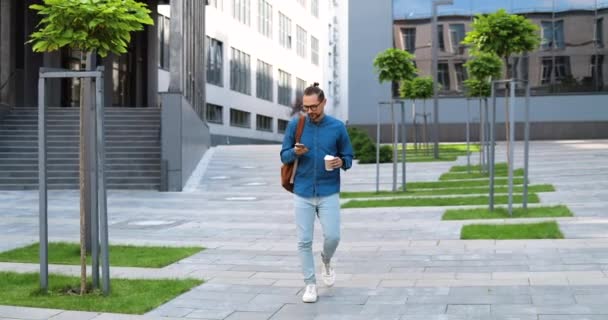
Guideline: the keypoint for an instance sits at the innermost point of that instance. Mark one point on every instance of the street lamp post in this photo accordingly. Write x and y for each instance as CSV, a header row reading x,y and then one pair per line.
x,y
434,49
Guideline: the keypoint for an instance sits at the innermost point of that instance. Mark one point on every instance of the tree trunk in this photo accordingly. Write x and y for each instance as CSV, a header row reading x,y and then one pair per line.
x,y
82,180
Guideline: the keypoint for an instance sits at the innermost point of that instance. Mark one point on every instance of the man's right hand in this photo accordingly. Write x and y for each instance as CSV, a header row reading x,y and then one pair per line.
x,y
300,150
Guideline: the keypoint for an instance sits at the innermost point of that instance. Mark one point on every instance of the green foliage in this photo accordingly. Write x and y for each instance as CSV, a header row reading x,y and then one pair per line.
x,y
484,65
394,65
418,88
365,148
503,34
101,26
482,68
477,88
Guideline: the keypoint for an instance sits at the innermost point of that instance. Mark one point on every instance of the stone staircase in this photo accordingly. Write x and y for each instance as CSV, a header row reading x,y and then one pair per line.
x,y
132,148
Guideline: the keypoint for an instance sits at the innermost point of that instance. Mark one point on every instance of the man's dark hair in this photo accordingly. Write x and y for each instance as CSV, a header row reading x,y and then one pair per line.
x,y
312,90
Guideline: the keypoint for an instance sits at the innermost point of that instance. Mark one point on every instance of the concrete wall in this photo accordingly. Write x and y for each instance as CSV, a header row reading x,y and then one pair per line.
x,y
551,117
184,140
365,41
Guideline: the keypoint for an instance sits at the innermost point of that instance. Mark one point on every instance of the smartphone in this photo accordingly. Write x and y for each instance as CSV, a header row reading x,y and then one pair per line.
x,y
300,145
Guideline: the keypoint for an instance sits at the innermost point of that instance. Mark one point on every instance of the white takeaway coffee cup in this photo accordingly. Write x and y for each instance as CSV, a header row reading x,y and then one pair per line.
x,y
327,159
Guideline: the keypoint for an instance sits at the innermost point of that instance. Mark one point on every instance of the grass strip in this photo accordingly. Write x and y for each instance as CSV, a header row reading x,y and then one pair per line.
x,y
502,213
120,256
444,192
543,230
126,296
435,202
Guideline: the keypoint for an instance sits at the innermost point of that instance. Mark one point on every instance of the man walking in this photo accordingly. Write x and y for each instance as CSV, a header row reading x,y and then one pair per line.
x,y
324,148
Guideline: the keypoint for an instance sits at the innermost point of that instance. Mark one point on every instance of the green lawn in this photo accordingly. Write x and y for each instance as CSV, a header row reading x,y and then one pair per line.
x,y
435,202
120,256
498,167
544,230
447,152
462,183
458,175
502,213
447,191
126,296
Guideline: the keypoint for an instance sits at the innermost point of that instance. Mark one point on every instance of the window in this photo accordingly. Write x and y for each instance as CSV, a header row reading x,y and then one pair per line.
x,y
215,62
215,113
264,81
300,87
599,32
284,88
240,118
241,11
284,31
314,50
314,8
302,3
443,76
547,67
265,18
562,68
552,35
163,42
440,37
281,125
461,74
263,123
457,35
301,37
240,72
597,74
218,4
409,39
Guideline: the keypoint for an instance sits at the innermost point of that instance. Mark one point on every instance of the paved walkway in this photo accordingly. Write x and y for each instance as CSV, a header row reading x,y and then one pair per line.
x,y
392,263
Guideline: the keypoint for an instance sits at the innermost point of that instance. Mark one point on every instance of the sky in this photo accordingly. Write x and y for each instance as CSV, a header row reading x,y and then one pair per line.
x,y
417,8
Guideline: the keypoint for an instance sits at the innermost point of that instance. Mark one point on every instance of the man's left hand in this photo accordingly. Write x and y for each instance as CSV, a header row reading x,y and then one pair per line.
x,y
336,163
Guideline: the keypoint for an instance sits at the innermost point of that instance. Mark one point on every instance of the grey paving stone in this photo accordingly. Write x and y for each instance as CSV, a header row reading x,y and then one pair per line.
x,y
209,314
469,310
249,316
75,315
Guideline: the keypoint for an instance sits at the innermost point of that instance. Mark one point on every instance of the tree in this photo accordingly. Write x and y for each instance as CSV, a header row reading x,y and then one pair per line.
x,y
419,88
503,34
395,65
95,27
482,68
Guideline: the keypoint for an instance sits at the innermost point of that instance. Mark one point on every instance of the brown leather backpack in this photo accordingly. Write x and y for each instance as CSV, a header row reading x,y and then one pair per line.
x,y
288,171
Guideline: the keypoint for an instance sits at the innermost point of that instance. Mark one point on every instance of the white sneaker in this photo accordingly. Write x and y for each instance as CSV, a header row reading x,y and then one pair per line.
x,y
329,275
310,293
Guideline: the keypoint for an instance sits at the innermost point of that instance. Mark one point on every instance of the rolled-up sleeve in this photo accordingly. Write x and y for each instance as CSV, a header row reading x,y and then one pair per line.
x,y
346,149
288,154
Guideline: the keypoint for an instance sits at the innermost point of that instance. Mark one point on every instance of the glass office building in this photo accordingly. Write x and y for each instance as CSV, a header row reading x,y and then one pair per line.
x,y
572,57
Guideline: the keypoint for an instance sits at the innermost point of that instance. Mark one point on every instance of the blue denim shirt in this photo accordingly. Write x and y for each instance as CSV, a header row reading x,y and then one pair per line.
x,y
328,137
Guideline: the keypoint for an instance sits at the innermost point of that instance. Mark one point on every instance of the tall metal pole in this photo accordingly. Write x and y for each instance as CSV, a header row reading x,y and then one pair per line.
x,y
91,136
434,62
378,149
101,186
42,188
492,148
395,137
511,142
482,142
468,138
403,145
526,143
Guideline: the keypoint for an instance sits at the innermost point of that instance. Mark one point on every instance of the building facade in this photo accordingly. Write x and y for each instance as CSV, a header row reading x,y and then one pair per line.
x,y
261,55
567,73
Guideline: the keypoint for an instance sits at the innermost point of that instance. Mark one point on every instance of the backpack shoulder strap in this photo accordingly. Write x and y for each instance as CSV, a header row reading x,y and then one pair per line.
x,y
300,128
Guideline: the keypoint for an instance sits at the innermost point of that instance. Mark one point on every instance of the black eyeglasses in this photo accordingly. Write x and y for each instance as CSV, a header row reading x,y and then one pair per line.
x,y
314,107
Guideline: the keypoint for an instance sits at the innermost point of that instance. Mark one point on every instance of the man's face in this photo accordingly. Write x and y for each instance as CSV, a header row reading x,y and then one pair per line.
x,y
313,107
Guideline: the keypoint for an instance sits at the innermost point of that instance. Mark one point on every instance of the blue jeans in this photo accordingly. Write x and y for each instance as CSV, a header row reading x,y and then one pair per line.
x,y
328,210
